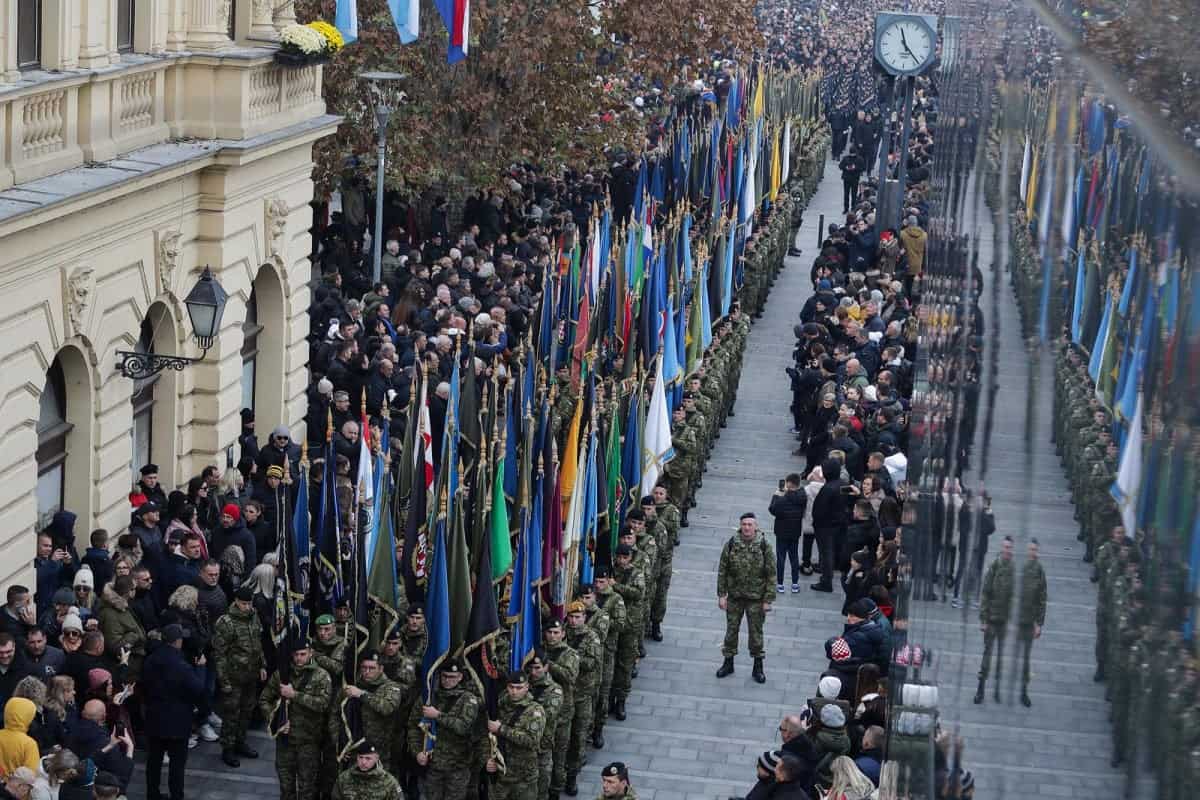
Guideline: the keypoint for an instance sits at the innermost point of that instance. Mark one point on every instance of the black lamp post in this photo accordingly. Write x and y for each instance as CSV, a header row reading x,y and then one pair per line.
x,y
205,306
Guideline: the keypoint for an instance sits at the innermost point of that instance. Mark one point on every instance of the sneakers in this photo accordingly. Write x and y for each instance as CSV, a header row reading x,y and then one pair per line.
x,y
193,742
956,603
795,588
214,721
806,568
779,588
207,733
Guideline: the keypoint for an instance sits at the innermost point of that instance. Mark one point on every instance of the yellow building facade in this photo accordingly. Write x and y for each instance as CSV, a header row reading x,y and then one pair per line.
x,y
141,140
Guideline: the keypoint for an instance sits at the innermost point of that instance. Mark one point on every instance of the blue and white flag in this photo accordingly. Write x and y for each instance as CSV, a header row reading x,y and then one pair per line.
x,y
345,19
407,16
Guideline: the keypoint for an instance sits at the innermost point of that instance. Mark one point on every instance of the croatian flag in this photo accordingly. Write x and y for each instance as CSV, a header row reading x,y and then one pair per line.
x,y
456,16
346,20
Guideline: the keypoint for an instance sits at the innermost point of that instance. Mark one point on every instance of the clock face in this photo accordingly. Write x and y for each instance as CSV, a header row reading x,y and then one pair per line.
x,y
905,46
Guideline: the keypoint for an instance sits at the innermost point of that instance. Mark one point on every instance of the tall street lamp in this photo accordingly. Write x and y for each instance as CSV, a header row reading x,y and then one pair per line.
x,y
385,95
205,306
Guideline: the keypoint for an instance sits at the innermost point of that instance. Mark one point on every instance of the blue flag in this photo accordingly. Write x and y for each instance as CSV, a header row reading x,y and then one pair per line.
x,y
437,610
345,19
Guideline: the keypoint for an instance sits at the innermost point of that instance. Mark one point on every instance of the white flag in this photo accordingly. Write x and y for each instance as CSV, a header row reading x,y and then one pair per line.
x,y
1129,476
657,449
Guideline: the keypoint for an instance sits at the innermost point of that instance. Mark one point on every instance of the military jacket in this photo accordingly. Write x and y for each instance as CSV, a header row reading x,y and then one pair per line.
x,y
522,725
307,709
995,602
587,645
614,606
455,743
746,570
549,696
564,667
631,585
237,646
374,784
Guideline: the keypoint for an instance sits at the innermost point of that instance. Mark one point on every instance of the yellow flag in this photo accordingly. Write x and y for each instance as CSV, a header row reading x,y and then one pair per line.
x,y
570,463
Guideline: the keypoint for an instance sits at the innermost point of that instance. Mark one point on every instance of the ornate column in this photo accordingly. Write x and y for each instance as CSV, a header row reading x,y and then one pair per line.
x,y
208,25
262,25
285,13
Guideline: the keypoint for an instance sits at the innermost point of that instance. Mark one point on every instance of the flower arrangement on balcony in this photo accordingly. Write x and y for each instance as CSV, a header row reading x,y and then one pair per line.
x,y
300,45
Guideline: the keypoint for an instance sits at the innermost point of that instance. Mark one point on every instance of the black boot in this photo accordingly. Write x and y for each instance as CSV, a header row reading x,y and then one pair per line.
x,y
683,522
641,649
758,674
979,693
227,755
656,632
572,787
598,738
1099,676
612,706
620,712
996,691
245,751
726,667
1025,701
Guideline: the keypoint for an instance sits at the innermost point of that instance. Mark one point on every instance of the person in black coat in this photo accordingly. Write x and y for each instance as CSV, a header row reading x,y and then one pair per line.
x,y
232,532
171,690
851,166
111,752
788,506
144,524
829,521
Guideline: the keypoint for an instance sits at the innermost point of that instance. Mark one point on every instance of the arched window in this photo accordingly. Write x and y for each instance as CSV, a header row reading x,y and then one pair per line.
x,y
52,430
250,331
141,433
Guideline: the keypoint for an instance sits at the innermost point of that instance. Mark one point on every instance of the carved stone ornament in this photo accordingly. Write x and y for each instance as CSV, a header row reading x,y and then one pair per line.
x,y
276,227
166,257
80,285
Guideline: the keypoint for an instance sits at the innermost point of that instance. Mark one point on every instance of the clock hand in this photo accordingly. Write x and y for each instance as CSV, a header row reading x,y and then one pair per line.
x,y
904,42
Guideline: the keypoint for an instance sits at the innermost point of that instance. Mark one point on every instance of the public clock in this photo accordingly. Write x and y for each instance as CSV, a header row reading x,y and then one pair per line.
x,y
904,43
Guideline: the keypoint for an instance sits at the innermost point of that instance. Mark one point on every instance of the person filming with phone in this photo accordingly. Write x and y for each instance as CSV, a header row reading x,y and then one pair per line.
x,y
787,506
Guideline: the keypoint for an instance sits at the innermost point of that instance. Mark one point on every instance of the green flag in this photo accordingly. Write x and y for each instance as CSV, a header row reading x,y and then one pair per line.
x,y
501,537
1106,382
458,577
381,578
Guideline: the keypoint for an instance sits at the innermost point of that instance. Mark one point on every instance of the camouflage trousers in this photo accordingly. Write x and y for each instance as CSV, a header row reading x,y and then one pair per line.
x,y
600,713
562,741
679,487
658,607
297,766
1024,650
449,783
515,787
545,770
627,653
993,636
753,611
235,709
581,728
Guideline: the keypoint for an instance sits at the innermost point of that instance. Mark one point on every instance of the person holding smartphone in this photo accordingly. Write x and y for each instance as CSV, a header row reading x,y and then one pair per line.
x,y
788,505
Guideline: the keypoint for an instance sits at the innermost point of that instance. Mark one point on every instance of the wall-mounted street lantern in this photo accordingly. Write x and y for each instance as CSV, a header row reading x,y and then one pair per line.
x,y
205,306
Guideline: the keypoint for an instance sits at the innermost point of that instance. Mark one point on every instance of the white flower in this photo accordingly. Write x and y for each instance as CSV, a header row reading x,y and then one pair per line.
x,y
304,39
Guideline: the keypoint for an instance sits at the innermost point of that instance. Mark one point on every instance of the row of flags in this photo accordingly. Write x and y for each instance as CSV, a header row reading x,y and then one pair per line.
x,y
1095,186
523,495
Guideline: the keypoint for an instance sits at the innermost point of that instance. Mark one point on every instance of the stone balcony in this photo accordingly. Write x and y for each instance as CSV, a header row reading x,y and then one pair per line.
x,y
54,121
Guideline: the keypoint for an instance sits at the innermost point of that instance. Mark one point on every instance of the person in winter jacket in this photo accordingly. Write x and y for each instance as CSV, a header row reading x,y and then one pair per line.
x,y
829,521
830,738
17,747
97,557
233,532
122,631
170,690
912,240
788,506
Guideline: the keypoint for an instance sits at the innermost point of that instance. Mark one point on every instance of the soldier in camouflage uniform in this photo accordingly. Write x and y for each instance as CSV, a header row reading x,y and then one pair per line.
x,y
549,695
518,729
237,650
612,604
564,668
667,513
329,653
1031,614
401,670
366,779
380,701
745,587
694,419
684,467
995,606
632,587
454,710
704,404
306,697
664,540
1108,570
586,643
413,639
416,637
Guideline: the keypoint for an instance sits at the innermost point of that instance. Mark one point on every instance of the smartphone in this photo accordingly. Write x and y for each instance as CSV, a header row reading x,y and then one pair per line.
x,y
781,482
847,490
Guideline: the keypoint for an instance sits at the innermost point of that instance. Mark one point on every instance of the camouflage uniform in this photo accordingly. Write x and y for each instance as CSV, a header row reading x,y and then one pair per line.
x,y
684,467
374,784
549,695
237,648
586,643
298,752
380,706
745,578
614,606
522,723
449,776
995,606
1032,613
564,668
664,539
331,657
631,587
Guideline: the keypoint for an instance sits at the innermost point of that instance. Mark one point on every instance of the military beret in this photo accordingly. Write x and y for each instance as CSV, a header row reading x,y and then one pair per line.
x,y
517,679
553,625
365,748
368,655
635,513
603,571
325,619
576,607
615,770
416,610
647,500
342,603
395,633
587,588
689,395
624,550
451,667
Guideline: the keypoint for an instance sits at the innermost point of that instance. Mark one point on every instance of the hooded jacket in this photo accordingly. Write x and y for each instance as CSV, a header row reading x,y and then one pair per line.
x,y
17,748
120,626
913,241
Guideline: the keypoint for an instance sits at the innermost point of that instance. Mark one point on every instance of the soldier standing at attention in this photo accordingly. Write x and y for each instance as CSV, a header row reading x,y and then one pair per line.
x,y
995,604
614,783
1031,614
329,653
549,696
519,733
586,643
667,513
381,699
564,668
632,589
665,540
366,779
455,710
237,648
298,742
745,588
612,604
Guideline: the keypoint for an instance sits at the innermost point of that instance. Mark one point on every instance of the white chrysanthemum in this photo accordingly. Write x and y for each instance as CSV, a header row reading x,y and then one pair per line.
x,y
304,39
